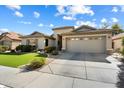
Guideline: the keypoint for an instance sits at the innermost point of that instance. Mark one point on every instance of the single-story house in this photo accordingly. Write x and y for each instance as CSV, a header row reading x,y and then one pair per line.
x,y
117,41
83,39
37,39
10,39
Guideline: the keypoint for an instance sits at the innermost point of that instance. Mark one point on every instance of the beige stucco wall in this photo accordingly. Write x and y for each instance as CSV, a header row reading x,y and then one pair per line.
x,y
117,44
15,44
12,44
60,31
51,42
7,43
23,41
41,42
64,30
108,40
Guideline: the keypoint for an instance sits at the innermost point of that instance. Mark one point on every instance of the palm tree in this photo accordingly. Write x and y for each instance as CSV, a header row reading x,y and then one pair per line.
x,y
116,29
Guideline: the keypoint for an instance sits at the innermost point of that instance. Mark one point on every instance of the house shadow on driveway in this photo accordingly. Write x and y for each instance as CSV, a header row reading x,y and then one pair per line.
x,y
92,57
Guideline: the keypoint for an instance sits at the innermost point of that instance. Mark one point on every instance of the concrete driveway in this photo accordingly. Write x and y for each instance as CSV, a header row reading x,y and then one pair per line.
x,y
87,70
68,70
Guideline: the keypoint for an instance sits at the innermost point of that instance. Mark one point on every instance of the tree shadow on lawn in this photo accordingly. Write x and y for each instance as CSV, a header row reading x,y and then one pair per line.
x,y
41,55
12,53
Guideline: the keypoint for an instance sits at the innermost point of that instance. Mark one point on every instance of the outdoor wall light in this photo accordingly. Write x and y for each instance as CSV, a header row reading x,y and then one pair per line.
x,y
109,36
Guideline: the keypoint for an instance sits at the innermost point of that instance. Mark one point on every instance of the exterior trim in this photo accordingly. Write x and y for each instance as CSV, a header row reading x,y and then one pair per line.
x,y
38,37
65,27
85,33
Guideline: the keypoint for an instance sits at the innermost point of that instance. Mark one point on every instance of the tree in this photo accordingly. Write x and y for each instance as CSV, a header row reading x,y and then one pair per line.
x,y
116,29
122,52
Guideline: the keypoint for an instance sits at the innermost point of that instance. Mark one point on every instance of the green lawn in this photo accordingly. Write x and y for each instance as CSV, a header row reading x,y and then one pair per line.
x,y
14,60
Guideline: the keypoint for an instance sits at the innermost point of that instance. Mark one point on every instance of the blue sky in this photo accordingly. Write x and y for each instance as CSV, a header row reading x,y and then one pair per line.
x,y
28,18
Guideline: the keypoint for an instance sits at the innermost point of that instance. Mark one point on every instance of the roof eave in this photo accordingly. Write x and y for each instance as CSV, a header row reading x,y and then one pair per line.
x,y
57,28
89,32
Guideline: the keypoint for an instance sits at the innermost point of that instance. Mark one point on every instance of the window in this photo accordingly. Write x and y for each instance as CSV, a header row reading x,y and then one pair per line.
x,y
46,42
86,38
76,38
72,39
99,38
27,42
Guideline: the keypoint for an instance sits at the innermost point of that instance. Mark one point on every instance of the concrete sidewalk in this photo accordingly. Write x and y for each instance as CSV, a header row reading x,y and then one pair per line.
x,y
12,77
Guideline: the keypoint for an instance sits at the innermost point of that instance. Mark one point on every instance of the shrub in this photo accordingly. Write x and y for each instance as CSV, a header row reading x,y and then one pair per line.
x,y
43,55
49,49
13,51
35,63
55,52
118,50
122,52
25,48
3,48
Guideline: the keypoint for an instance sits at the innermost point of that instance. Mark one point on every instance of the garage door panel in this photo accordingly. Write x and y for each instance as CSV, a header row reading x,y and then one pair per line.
x,y
86,46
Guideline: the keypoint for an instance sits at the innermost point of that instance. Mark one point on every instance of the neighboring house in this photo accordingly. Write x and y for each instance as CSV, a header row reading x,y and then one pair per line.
x,y
83,39
117,41
39,40
10,39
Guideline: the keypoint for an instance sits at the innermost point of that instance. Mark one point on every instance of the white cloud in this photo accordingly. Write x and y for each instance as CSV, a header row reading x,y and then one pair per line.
x,y
69,18
89,23
51,25
122,8
61,10
114,9
73,10
115,20
14,7
103,20
94,19
19,14
36,14
40,25
25,22
119,8
2,30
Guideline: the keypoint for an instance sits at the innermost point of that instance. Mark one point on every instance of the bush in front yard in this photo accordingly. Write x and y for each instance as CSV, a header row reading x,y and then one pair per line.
x,y
3,48
122,51
55,52
25,48
36,63
49,49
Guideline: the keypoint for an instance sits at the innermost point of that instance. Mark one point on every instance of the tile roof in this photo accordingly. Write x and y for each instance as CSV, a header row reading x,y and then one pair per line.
x,y
84,26
98,31
11,35
118,36
64,27
37,34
